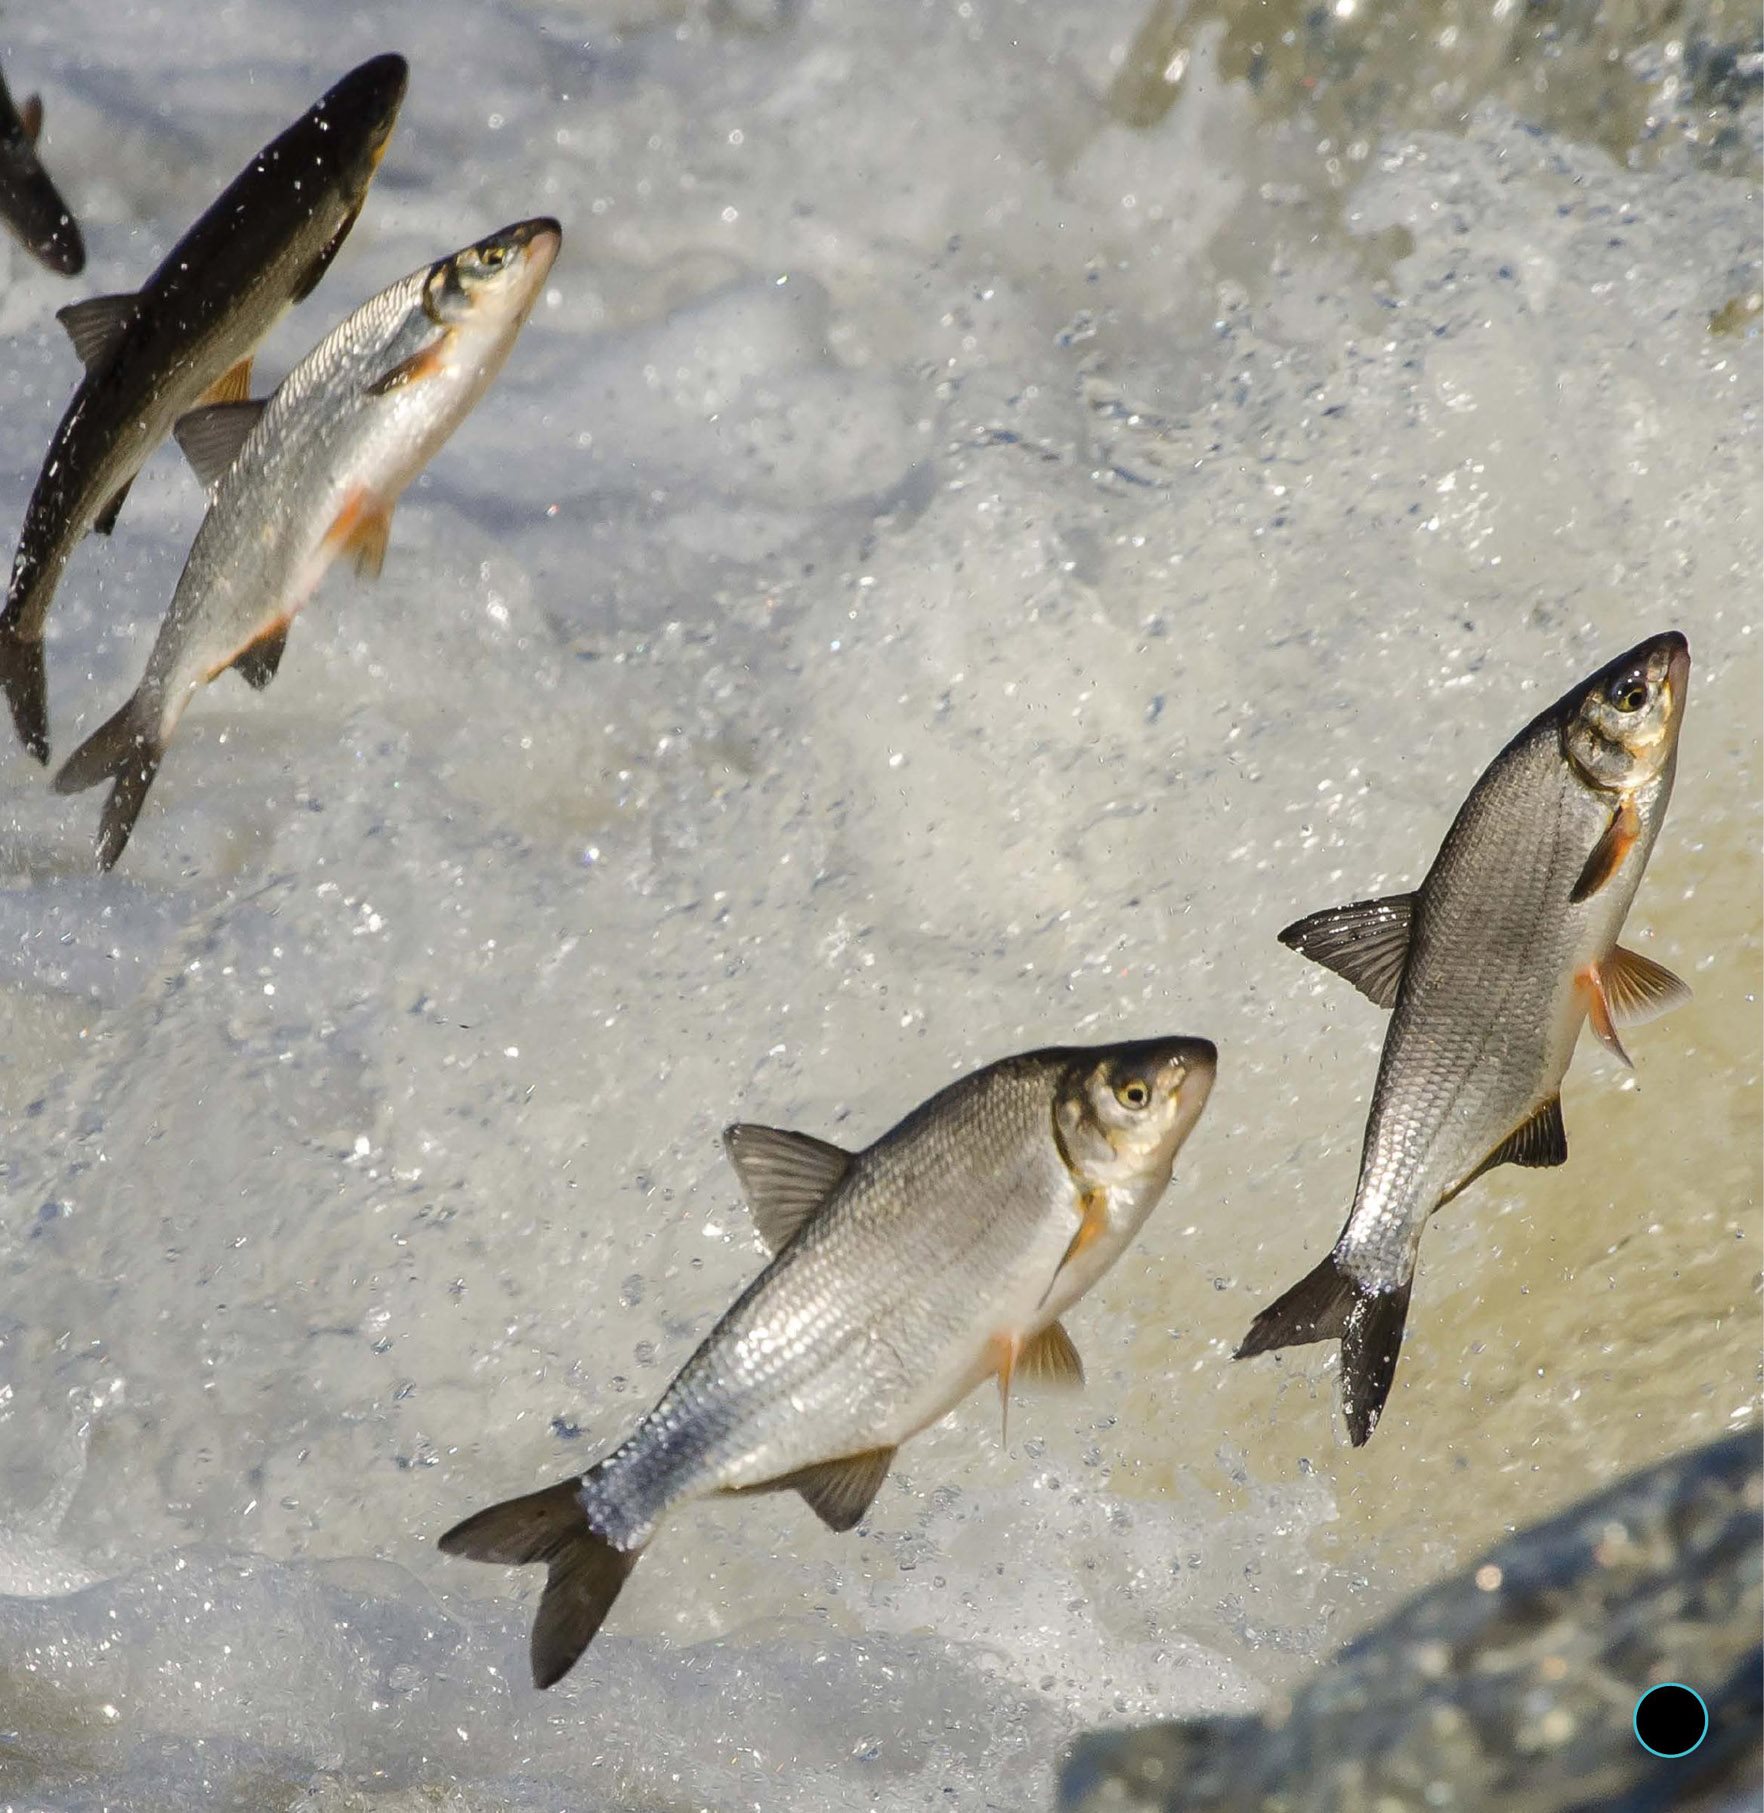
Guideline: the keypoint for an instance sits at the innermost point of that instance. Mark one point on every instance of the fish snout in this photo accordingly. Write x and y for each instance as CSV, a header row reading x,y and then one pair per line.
x,y
372,92
1187,1073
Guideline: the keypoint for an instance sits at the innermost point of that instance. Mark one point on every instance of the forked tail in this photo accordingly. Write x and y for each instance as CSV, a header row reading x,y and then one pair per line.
x,y
1328,1304
126,751
584,1571
26,688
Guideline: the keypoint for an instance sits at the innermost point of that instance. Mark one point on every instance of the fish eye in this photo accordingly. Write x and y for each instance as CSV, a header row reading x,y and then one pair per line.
x,y
493,256
1133,1093
1629,692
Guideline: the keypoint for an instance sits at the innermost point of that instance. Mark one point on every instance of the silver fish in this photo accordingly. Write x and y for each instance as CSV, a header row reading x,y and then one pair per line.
x,y
904,1275
187,336
1491,966
29,202
311,474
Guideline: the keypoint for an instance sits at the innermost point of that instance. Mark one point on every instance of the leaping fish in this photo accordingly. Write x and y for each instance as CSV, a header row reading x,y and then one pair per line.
x,y
1490,968
186,336
903,1276
312,474
30,203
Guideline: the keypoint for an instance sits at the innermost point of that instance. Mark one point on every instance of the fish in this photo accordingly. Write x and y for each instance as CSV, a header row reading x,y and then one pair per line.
x,y
187,336
902,1276
1512,1685
30,203
1490,969
312,474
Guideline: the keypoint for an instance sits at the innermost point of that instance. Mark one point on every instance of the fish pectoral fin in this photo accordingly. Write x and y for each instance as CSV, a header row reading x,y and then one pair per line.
x,y
1051,1360
95,325
257,664
362,528
1540,1142
1366,943
1608,853
785,1176
1638,990
212,436
413,370
1093,1218
839,1492
309,279
30,118
105,520
1598,1013
232,386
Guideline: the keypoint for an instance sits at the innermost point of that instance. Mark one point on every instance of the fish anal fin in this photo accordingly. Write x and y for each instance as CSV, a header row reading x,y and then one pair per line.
x,y
30,118
1366,943
212,436
1051,1360
95,325
840,1491
362,528
414,370
1637,989
1539,1142
785,1176
1598,1013
257,664
232,386
105,520
1608,853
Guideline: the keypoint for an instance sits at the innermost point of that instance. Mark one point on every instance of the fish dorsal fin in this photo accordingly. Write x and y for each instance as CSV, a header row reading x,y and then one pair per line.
x,y
839,1492
785,1176
30,118
1608,853
1367,943
95,325
257,664
1540,1142
1050,1360
1638,990
212,436
232,386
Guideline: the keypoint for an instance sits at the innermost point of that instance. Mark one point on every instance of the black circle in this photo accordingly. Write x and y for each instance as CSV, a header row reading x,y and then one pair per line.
x,y
1671,1719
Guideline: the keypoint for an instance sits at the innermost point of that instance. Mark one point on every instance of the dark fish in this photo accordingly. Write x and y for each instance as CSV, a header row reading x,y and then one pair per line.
x,y
29,201
1511,1687
313,474
905,1275
187,336
1491,967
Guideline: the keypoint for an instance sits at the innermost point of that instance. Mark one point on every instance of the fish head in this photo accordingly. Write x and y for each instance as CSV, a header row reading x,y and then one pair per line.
x,y
493,285
1123,1112
358,114
1622,730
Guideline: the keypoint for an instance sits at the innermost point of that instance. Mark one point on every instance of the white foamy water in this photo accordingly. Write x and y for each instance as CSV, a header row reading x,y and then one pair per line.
x,y
942,572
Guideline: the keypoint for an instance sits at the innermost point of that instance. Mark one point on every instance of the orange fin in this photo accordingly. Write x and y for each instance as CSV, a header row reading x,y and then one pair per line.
x,y
362,529
1003,1350
1638,990
260,655
1598,1013
30,118
1608,853
1093,1213
414,369
233,386
1051,1359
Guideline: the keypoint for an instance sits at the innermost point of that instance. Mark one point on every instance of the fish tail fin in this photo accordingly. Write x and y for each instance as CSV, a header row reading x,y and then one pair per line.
x,y
26,688
584,1571
1329,1304
125,750
1370,1344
